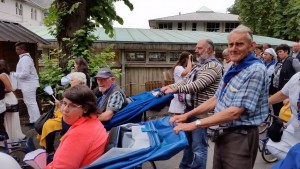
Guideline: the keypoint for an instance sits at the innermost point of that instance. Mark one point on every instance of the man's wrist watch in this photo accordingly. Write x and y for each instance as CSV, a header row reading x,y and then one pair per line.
x,y
198,123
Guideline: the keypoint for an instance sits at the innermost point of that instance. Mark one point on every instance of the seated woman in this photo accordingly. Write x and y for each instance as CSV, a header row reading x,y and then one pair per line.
x,y
86,139
51,126
291,135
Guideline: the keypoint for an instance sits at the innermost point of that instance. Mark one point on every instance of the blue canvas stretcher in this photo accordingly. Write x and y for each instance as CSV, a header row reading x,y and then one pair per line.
x,y
292,159
133,144
132,113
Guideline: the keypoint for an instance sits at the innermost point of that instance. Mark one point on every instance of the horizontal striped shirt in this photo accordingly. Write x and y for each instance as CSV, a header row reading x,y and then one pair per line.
x,y
248,89
204,84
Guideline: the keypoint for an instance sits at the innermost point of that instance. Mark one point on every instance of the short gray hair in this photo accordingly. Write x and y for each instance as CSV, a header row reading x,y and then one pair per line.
x,y
210,43
242,29
225,52
79,76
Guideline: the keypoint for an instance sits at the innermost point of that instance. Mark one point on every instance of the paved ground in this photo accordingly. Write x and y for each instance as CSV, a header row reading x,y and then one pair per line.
x,y
174,162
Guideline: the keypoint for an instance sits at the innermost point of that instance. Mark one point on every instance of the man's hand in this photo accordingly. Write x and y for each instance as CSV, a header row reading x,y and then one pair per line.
x,y
163,89
168,91
177,119
185,127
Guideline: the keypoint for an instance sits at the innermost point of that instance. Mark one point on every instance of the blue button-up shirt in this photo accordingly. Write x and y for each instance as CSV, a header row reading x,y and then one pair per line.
x,y
248,89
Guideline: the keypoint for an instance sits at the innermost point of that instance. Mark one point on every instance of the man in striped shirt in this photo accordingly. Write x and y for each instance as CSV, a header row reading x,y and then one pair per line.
x,y
200,84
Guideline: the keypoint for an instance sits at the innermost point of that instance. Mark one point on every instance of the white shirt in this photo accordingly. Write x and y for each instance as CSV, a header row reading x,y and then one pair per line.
x,y
177,73
291,135
270,71
26,72
176,106
292,89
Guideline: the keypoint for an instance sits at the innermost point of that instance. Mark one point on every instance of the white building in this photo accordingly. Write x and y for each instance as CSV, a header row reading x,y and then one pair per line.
x,y
203,19
25,12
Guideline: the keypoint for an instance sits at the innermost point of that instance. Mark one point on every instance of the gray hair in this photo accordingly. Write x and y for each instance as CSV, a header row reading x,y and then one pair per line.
x,y
242,29
210,43
225,52
79,76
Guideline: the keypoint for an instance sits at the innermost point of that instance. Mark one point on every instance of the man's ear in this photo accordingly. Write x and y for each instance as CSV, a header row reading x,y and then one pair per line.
x,y
253,44
113,78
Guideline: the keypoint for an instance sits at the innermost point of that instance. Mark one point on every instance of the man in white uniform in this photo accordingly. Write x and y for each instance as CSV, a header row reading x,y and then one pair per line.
x,y
28,82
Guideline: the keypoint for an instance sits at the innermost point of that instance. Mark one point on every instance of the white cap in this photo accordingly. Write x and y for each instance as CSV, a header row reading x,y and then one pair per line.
x,y
65,80
271,51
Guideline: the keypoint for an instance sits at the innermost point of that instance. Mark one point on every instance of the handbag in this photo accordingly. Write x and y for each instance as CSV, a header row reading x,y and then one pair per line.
x,y
11,108
275,131
38,125
180,97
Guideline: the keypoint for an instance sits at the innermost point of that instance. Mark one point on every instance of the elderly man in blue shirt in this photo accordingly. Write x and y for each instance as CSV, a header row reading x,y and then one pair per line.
x,y
240,105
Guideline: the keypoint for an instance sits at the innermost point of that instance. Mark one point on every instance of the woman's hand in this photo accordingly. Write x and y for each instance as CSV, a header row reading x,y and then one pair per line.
x,y
57,103
286,101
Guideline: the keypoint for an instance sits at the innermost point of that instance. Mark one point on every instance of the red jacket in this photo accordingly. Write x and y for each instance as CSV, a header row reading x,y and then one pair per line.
x,y
83,143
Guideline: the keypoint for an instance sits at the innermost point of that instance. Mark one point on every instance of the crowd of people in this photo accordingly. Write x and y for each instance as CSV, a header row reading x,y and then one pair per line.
x,y
233,94
251,73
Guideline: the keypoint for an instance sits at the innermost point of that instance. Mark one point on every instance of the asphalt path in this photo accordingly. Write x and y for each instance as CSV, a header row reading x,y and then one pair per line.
x,y
173,163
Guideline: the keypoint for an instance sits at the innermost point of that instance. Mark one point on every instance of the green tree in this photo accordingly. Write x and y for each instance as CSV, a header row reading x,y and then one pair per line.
x,y
234,8
273,18
73,23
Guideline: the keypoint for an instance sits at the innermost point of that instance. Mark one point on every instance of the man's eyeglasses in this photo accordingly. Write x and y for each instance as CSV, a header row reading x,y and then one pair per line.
x,y
70,106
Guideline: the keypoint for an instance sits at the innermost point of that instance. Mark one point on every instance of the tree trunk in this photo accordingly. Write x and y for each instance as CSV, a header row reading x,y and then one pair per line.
x,y
71,23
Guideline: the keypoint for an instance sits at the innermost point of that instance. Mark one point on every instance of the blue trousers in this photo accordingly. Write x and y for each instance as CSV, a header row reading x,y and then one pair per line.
x,y
195,155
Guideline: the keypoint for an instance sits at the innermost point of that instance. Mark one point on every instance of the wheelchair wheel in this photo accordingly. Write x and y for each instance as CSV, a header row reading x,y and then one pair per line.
x,y
146,165
19,154
149,165
264,125
266,154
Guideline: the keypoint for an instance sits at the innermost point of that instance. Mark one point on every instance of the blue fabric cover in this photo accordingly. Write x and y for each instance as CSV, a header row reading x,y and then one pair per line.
x,y
292,159
132,113
164,144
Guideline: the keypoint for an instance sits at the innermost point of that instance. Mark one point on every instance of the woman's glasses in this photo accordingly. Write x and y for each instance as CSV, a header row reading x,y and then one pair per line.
x,y
70,106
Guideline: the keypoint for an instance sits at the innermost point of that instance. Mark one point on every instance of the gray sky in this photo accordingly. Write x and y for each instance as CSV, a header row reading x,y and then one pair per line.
x,y
151,9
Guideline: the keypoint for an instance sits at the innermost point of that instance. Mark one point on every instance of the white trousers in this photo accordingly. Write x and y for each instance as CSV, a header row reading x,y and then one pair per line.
x,y
29,97
288,140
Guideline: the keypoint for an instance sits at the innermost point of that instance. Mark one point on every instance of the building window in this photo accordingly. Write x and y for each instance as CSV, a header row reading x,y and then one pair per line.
x,y
179,26
174,56
21,10
46,14
35,14
135,56
17,8
167,26
157,56
194,26
230,26
32,13
212,27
